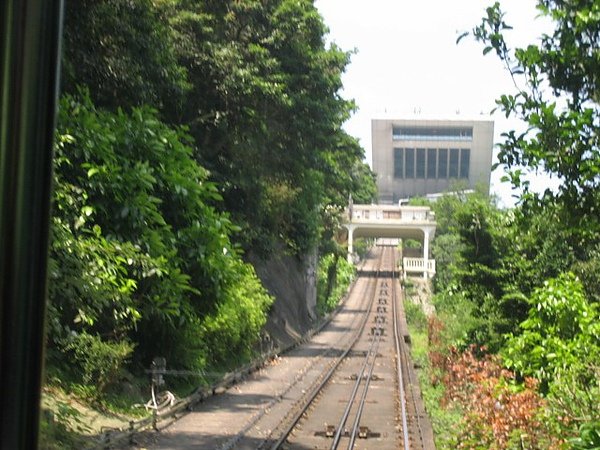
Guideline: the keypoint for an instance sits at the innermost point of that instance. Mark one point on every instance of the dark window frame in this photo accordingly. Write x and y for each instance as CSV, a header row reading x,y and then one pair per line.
x,y
442,163
464,162
453,162
409,163
398,163
431,172
420,163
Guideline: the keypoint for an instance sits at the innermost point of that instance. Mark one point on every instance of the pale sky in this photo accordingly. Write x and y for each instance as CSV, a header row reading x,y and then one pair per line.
x,y
408,65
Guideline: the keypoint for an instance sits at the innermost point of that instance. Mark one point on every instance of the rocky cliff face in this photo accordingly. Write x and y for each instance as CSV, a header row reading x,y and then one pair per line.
x,y
292,281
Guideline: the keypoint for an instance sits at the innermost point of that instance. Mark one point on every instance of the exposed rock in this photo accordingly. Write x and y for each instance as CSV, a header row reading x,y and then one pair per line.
x,y
293,284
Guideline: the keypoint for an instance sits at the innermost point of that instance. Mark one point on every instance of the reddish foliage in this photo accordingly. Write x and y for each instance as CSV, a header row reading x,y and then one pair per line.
x,y
436,355
496,410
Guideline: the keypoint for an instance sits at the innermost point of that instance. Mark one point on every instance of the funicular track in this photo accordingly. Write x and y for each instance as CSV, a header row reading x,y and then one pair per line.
x,y
369,398
357,389
325,362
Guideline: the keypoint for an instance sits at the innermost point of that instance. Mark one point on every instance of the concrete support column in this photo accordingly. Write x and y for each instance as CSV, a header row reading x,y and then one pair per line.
x,y
350,237
426,252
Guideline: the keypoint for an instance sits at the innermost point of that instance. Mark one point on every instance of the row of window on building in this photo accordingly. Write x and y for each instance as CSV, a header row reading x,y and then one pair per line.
x,y
401,133
431,163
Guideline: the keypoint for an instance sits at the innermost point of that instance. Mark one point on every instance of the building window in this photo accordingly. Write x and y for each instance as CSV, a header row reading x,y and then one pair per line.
x,y
465,156
453,167
400,133
420,163
443,163
398,163
409,161
431,163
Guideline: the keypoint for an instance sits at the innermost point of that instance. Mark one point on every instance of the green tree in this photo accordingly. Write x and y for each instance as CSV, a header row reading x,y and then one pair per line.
x,y
139,254
200,115
557,96
255,84
122,51
559,344
266,114
481,267
562,330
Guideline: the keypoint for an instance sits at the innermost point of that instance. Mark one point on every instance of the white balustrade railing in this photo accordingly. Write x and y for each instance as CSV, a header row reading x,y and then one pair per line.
x,y
418,265
391,213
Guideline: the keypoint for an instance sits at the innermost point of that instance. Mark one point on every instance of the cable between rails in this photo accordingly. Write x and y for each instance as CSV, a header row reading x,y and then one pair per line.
x,y
369,362
329,374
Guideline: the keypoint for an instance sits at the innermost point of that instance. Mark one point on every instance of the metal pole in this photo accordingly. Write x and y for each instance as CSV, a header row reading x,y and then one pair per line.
x,y
29,65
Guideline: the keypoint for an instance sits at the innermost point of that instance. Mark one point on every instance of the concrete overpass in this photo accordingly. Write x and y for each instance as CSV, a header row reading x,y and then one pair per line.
x,y
390,221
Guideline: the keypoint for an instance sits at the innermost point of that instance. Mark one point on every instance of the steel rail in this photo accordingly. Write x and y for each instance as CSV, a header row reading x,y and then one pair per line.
x,y
363,399
329,374
350,403
374,344
370,363
413,397
361,404
405,432
232,442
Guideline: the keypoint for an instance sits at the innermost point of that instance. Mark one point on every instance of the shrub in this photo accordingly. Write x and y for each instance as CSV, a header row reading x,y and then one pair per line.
x,y
334,277
415,316
100,361
499,412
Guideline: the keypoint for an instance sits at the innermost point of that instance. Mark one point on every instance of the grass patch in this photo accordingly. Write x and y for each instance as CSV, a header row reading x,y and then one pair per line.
x,y
443,420
69,421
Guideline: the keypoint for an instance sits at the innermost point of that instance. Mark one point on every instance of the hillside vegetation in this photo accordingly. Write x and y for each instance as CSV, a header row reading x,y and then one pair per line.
x,y
514,348
189,134
193,133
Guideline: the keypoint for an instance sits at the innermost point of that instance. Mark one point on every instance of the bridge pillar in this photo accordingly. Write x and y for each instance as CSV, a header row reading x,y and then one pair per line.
x,y
350,237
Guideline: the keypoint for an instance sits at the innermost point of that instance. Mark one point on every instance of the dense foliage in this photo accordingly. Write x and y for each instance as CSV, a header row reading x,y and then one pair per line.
x,y
557,95
506,289
189,134
521,284
139,259
258,90
333,280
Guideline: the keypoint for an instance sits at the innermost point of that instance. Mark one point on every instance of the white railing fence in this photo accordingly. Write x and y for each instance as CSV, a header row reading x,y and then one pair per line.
x,y
418,265
402,214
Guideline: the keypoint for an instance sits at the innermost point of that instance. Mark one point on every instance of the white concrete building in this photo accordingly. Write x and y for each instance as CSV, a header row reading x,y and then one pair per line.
x,y
419,157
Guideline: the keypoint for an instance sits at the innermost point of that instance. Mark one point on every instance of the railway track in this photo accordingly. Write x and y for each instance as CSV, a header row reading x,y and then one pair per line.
x,y
371,400
355,390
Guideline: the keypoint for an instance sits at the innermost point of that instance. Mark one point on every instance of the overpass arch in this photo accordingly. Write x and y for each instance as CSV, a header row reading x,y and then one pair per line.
x,y
395,222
